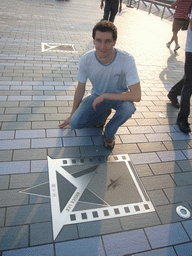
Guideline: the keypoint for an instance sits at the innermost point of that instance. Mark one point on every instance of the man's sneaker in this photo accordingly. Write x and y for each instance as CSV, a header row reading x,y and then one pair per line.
x,y
168,45
174,100
102,124
176,48
109,143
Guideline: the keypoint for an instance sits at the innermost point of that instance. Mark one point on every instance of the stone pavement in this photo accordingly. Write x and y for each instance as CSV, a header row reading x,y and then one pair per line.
x,y
37,83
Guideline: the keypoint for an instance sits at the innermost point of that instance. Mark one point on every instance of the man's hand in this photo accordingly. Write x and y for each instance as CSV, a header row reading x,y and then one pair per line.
x,y
97,101
65,123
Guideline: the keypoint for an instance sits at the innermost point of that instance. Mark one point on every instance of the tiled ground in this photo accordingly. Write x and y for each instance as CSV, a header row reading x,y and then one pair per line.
x,y
37,90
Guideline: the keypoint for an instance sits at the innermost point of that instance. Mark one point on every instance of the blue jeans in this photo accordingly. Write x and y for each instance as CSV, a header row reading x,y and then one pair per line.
x,y
187,89
86,117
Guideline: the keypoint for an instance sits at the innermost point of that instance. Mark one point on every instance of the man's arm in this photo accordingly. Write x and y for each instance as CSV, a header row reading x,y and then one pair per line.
x,y
101,6
134,95
79,93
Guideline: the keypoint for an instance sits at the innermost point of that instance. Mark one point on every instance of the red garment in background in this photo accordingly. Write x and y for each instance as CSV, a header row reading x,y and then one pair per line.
x,y
182,9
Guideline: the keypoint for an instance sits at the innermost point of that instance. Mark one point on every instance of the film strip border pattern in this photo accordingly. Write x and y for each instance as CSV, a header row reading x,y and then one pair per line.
x,y
109,212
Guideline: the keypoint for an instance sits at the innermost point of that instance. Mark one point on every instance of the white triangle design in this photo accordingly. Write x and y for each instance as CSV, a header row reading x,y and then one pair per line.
x,y
79,185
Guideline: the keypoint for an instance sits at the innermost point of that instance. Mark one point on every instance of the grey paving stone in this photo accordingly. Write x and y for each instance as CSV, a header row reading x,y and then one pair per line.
x,y
15,144
4,182
39,166
15,167
171,155
77,141
12,197
56,104
94,151
128,148
166,235
31,104
68,232
188,226
96,228
179,194
182,179
158,137
9,104
143,170
44,250
8,118
144,158
2,216
30,117
28,214
19,98
64,152
29,134
185,165
52,117
132,138
175,145
158,197
44,110
45,124
27,180
169,251
16,125
180,136
6,155
14,237
36,199
140,221
157,182
141,129
184,249
60,133
43,97
29,154
15,110
125,243
4,135
187,153
163,168
88,132
41,233
90,246
151,146
46,142
163,128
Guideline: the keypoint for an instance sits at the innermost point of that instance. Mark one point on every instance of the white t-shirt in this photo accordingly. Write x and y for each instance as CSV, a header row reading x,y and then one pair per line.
x,y
188,47
112,78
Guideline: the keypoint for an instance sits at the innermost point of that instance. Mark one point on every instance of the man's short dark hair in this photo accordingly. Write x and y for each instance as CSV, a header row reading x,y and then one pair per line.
x,y
105,26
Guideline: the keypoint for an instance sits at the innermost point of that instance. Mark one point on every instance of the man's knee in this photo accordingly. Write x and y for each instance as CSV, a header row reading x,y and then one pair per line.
x,y
75,123
128,109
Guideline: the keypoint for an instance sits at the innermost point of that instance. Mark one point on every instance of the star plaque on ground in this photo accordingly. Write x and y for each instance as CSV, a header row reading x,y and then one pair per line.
x,y
95,188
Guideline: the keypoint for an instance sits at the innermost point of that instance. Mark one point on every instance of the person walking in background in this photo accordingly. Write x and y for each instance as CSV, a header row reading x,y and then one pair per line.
x,y
182,11
111,9
115,82
186,83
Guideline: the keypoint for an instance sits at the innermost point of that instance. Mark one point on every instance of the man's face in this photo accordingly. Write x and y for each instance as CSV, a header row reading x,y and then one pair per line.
x,y
104,44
